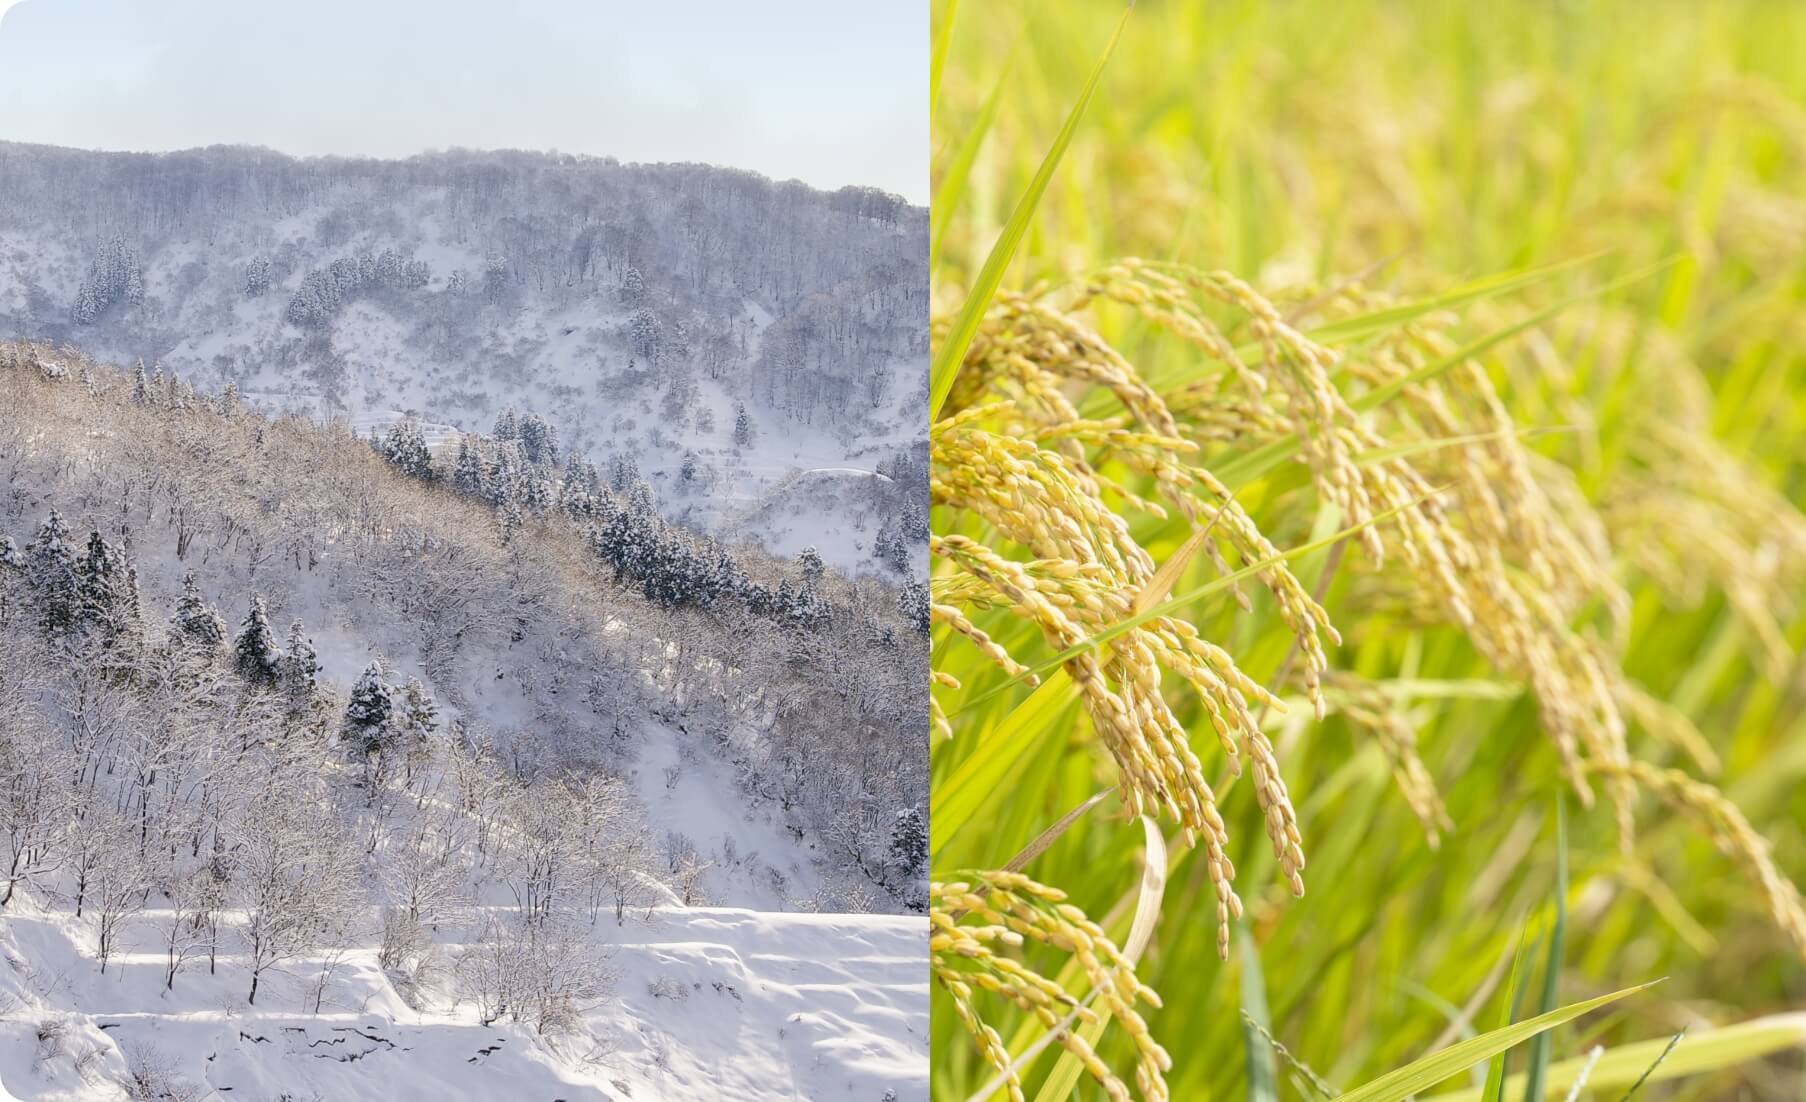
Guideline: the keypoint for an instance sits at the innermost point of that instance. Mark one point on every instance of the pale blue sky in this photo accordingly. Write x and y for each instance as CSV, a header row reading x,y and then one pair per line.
x,y
828,91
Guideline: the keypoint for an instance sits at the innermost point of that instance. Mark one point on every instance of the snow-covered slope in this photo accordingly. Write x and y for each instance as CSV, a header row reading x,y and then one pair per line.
x,y
639,308
670,790
710,1003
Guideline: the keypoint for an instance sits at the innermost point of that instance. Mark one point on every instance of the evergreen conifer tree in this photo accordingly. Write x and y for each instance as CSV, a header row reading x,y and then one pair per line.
x,y
298,669
467,476
811,562
367,713
195,626
254,653
419,715
913,603
104,587
909,842
406,450
51,577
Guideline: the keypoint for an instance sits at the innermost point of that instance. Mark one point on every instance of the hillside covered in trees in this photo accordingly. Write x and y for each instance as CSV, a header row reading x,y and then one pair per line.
x,y
435,755
729,333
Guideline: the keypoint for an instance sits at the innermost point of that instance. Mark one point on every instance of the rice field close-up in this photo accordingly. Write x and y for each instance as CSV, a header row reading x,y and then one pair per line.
x,y
1368,454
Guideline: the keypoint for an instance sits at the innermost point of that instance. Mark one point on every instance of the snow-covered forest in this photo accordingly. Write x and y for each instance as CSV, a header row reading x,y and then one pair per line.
x,y
759,349
416,764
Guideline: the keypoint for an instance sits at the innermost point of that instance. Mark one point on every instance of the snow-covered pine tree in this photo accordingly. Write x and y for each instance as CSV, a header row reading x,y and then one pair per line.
x,y
298,668
10,555
909,843
367,714
743,427
257,276
254,652
509,516
140,386
536,492
195,627
913,603
886,547
576,494
467,476
538,440
87,306
51,579
406,450
132,627
644,330
687,471
633,287
418,716
809,559
507,425
104,590
623,473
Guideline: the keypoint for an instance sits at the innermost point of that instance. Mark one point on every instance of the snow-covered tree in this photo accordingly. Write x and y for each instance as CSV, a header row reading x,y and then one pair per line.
x,y
913,603
417,718
909,843
108,590
368,712
645,334
196,627
254,652
257,276
298,669
810,561
467,476
405,449
538,440
743,427
52,583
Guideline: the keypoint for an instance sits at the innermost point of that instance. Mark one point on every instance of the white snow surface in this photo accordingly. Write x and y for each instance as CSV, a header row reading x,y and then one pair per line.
x,y
710,1003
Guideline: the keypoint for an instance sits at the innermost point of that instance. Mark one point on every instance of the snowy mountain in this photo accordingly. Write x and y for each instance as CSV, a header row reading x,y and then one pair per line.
x,y
725,331
321,776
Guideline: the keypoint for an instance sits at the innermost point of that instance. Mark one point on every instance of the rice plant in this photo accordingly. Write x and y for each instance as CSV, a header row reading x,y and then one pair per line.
x,y
1368,452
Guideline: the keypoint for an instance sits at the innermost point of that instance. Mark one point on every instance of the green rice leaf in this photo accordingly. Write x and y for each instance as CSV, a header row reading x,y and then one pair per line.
x,y
1495,1068
952,353
1539,1047
1420,1075
1714,1050
979,775
937,58
1263,1074
952,184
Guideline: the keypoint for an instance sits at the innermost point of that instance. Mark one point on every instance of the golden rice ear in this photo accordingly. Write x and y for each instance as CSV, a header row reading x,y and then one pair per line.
x,y
980,925
1726,825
